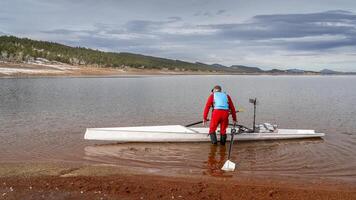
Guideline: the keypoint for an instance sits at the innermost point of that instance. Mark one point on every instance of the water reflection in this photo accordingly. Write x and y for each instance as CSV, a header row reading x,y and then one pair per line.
x,y
181,158
216,159
289,157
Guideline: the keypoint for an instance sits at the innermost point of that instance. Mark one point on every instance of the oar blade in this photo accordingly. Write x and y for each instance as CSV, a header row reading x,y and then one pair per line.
x,y
229,166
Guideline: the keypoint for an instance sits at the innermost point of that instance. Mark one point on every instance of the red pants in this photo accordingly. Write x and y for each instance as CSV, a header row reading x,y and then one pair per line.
x,y
219,117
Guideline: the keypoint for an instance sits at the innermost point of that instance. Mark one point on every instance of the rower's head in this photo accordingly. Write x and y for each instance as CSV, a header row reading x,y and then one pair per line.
x,y
217,88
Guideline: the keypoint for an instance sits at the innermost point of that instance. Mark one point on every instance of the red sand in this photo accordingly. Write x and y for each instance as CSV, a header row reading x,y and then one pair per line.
x,y
160,187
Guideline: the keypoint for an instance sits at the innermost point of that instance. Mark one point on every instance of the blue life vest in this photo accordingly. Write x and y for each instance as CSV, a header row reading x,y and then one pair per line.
x,y
221,101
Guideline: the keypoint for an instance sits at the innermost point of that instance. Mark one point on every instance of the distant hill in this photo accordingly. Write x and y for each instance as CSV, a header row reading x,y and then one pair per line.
x,y
276,71
246,69
295,71
217,65
328,71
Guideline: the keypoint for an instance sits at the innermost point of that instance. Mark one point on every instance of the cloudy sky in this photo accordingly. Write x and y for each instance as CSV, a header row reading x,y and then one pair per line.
x,y
308,34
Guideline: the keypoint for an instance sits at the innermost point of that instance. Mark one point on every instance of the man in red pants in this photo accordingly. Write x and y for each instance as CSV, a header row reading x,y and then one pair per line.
x,y
222,106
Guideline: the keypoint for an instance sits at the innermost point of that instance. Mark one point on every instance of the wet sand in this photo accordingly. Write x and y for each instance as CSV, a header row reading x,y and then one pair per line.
x,y
73,181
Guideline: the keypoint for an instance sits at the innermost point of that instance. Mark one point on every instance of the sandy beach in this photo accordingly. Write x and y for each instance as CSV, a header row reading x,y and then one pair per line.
x,y
71,181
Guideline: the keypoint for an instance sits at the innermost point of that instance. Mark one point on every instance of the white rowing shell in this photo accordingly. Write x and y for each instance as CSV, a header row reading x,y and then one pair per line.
x,y
178,133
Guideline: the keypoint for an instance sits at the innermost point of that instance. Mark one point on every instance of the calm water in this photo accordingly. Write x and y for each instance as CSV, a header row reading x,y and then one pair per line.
x,y
44,119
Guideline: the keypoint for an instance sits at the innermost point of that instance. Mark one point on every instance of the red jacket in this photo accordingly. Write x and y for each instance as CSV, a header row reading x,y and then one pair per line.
x,y
210,103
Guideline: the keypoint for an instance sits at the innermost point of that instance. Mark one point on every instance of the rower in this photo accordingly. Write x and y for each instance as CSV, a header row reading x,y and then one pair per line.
x,y
221,104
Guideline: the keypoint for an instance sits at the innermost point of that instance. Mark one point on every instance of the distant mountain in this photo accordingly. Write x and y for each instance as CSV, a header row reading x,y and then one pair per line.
x,y
298,71
328,71
246,69
218,65
276,71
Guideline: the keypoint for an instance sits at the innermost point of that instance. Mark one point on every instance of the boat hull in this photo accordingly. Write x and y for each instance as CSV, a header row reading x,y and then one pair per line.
x,y
177,133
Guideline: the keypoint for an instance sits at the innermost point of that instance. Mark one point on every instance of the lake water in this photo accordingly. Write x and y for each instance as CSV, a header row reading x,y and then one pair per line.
x,y
44,119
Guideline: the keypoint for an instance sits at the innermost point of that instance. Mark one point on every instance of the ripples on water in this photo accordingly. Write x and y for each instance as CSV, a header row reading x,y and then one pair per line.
x,y
45,119
298,158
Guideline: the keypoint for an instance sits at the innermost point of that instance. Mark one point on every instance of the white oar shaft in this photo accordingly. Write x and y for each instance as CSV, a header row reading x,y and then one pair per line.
x,y
231,143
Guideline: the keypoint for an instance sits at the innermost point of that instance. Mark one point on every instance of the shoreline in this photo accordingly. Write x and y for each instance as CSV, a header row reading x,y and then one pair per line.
x,y
81,181
33,70
19,70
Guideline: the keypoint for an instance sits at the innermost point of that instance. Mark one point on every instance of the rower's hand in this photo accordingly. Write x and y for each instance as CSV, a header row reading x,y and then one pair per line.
x,y
204,122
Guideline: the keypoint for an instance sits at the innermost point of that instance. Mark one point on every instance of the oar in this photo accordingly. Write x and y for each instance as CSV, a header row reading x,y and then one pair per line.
x,y
195,123
229,165
199,122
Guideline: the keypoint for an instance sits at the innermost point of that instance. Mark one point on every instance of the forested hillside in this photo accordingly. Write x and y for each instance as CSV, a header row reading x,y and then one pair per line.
x,y
15,49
